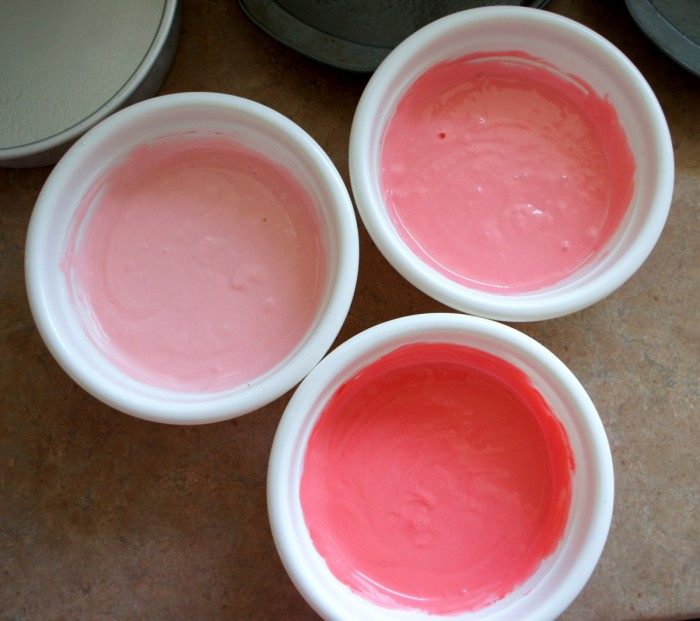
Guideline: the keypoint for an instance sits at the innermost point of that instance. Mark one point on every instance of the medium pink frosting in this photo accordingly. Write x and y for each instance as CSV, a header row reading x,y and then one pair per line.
x,y
503,174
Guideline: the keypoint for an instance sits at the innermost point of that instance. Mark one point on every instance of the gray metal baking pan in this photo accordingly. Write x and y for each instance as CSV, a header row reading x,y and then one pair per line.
x,y
68,64
673,25
352,34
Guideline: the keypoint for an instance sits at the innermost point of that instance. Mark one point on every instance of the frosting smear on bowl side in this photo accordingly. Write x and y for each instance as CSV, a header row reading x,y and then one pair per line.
x,y
504,174
196,264
437,478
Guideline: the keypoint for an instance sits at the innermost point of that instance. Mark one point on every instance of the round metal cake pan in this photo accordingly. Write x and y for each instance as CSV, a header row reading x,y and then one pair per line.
x,y
67,65
674,26
354,35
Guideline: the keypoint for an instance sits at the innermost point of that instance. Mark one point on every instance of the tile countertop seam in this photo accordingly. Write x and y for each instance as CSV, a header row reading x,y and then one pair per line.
x,y
103,516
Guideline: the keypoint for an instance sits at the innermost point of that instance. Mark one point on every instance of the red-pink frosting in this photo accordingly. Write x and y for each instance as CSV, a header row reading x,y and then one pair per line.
x,y
437,478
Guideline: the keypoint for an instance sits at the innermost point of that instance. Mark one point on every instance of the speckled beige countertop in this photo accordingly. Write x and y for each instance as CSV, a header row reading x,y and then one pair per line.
x,y
103,516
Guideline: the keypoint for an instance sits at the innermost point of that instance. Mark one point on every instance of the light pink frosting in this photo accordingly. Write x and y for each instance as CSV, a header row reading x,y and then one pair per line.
x,y
197,264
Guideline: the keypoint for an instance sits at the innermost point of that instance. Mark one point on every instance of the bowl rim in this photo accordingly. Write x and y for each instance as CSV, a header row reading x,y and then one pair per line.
x,y
171,406
303,564
514,307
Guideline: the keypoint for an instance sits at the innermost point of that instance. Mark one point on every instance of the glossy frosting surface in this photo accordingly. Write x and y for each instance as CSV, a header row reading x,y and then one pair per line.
x,y
437,478
504,174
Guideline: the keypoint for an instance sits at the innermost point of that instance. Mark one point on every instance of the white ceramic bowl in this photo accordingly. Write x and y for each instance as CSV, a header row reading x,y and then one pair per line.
x,y
561,576
250,124
573,49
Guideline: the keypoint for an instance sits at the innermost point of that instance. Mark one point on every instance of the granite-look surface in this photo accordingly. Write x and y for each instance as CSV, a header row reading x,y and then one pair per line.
x,y
106,517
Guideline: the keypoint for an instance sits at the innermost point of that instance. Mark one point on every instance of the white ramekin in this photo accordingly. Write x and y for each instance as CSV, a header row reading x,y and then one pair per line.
x,y
254,126
573,49
560,577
